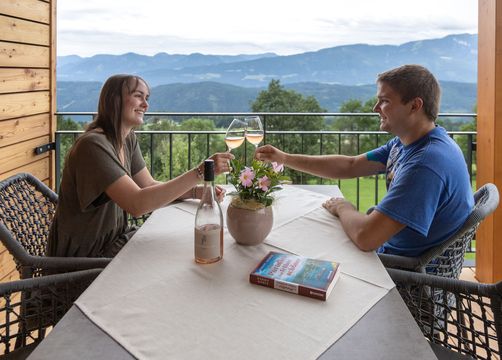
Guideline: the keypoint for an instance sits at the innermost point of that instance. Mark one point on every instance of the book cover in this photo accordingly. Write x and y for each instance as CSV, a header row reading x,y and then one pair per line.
x,y
297,274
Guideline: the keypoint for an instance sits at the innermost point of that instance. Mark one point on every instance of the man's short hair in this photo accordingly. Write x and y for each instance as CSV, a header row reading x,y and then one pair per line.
x,y
412,81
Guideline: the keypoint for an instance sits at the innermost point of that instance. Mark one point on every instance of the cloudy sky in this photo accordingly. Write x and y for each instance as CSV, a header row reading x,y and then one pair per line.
x,y
89,27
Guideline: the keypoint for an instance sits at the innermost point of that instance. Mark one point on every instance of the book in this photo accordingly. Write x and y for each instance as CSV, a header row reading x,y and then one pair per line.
x,y
297,274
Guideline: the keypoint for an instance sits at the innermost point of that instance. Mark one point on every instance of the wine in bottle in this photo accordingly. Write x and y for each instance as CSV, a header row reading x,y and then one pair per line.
x,y
208,242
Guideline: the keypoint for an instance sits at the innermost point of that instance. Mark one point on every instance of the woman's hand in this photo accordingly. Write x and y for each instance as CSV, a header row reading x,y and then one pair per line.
x,y
220,193
222,162
269,153
199,189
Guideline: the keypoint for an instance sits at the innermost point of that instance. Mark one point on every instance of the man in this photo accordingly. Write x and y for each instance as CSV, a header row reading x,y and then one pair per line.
x,y
428,190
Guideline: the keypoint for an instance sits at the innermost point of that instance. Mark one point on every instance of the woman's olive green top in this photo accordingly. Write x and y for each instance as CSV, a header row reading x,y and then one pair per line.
x,y
87,222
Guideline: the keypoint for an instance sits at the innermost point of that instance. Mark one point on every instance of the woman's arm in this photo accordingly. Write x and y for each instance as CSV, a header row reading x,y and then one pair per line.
x,y
142,194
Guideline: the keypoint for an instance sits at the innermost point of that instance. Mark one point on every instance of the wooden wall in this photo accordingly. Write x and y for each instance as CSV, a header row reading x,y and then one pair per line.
x,y
27,94
489,139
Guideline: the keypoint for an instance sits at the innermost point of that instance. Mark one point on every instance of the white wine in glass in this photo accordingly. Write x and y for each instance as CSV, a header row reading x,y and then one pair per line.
x,y
234,136
254,130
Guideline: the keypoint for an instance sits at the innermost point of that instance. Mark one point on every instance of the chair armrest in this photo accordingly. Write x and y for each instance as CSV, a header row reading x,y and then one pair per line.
x,y
84,276
401,262
67,263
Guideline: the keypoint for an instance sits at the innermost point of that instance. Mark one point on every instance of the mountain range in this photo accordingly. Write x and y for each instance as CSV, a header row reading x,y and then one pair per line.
x,y
216,97
198,82
452,58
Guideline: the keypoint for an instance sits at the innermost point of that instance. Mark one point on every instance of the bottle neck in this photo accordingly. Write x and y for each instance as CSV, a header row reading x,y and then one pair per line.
x,y
208,194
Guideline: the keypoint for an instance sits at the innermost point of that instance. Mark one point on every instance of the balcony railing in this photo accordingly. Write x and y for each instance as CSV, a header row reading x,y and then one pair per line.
x,y
183,149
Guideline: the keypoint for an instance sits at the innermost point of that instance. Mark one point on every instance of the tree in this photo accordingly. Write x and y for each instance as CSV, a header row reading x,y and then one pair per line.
x,y
66,141
278,99
353,144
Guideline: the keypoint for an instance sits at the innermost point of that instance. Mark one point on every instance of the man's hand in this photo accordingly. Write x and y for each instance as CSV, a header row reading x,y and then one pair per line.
x,y
334,205
268,153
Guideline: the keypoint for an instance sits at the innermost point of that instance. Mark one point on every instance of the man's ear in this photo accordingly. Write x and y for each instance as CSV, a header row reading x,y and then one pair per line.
x,y
416,104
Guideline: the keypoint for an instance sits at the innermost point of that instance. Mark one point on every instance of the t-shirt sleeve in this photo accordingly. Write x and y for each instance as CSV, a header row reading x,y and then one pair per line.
x,y
96,166
137,160
381,153
413,198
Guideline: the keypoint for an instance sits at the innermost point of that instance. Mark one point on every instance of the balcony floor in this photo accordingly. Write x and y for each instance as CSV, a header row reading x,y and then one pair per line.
x,y
468,274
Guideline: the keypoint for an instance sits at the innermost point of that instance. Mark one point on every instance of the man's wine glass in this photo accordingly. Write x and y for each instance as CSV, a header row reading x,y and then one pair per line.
x,y
235,134
254,130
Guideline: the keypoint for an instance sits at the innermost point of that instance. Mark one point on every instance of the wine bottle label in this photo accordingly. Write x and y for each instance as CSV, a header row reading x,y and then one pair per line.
x,y
208,241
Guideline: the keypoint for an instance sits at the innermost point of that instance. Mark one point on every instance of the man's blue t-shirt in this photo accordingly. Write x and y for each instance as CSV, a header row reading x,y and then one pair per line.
x,y
428,190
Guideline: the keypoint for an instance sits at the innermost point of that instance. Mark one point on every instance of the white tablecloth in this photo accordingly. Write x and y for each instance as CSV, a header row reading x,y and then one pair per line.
x,y
157,303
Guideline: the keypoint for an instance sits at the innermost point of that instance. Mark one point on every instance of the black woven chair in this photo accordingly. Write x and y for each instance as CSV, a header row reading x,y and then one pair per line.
x,y
447,258
29,306
471,325
27,208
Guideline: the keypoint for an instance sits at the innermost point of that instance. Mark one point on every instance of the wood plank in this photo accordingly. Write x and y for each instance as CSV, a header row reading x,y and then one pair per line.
x,y
6,261
24,31
22,129
21,154
19,55
27,9
489,138
8,272
24,104
53,56
40,169
21,80
5,257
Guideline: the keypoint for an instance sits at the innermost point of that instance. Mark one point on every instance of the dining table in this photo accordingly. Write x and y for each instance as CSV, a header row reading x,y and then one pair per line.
x,y
154,302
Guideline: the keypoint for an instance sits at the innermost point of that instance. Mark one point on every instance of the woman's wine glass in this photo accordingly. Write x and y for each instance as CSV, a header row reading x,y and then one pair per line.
x,y
234,136
254,130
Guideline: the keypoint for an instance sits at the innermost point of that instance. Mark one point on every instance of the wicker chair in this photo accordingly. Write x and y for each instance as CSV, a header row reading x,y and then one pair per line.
x,y
29,306
470,326
27,207
447,258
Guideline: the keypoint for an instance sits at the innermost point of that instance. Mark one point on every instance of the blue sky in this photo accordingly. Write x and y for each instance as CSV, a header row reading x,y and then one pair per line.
x,y
89,27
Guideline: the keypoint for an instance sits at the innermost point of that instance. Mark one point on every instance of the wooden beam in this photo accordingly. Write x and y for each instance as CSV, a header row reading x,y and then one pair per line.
x,y
489,137
53,104
27,9
24,56
24,31
21,80
23,104
18,130
21,154
40,169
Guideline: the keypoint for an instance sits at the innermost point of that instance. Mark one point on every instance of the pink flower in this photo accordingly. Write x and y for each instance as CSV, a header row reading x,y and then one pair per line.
x,y
264,183
246,177
277,167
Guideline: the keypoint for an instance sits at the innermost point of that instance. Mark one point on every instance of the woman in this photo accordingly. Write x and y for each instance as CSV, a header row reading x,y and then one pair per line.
x,y
105,177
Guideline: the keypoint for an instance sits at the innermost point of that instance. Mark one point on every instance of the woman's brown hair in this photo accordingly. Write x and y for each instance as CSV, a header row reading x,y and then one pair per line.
x,y
111,98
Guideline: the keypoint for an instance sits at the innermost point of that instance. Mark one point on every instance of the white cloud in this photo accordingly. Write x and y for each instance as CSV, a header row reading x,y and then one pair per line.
x,y
87,27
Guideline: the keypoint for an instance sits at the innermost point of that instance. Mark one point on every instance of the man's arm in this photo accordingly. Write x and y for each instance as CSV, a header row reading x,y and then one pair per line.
x,y
368,232
328,166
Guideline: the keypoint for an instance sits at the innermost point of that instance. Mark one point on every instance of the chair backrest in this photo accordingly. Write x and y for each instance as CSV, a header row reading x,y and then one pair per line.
x,y
27,207
470,320
29,306
447,258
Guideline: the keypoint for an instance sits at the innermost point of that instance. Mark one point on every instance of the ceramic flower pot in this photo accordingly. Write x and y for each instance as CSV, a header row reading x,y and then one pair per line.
x,y
249,226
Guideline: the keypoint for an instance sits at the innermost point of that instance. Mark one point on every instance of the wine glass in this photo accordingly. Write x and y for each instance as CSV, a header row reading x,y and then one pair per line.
x,y
234,136
254,130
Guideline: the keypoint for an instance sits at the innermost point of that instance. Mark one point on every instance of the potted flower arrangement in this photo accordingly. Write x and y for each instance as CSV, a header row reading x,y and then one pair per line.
x,y
249,215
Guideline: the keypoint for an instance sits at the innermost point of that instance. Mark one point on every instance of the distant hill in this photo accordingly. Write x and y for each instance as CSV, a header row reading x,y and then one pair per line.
x,y
217,97
452,58
100,67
